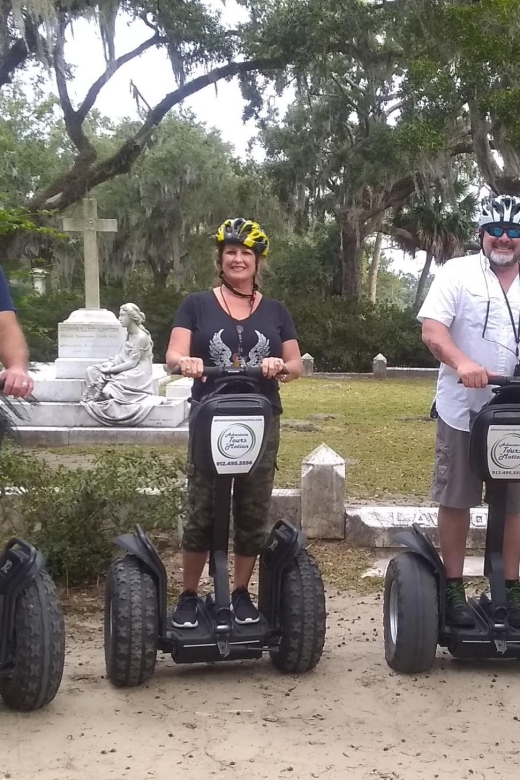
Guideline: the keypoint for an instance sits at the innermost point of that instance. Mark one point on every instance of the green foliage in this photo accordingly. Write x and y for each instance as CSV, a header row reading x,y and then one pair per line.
x,y
39,316
13,220
73,515
345,334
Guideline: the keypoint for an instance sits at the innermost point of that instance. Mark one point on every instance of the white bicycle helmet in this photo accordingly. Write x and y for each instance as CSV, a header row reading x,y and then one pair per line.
x,y
502,208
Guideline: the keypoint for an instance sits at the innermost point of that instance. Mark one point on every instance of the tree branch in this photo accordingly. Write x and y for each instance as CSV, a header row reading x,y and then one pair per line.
x,y
72,123
85,175
114,66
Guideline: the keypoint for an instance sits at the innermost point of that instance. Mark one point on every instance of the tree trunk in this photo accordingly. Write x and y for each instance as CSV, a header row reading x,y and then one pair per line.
x,y
160,271
374,269
351,258
419,295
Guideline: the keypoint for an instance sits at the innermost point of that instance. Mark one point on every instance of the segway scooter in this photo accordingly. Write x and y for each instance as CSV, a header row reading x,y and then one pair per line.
x,y
229,433
32,631
415,582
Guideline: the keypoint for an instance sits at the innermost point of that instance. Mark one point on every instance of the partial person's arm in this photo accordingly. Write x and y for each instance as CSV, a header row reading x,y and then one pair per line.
x,y
178,354
437,338
14,355
292,359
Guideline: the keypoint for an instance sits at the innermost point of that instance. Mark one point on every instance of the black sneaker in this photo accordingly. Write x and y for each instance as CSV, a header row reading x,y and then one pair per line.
x,y
458,611
513,605
185,613
243,608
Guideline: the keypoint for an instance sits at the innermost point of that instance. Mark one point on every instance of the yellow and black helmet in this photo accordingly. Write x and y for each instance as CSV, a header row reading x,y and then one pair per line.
x,y
246,232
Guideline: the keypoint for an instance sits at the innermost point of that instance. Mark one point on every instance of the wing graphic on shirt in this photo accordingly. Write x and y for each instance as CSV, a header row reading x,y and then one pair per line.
x,y
219,352
259,351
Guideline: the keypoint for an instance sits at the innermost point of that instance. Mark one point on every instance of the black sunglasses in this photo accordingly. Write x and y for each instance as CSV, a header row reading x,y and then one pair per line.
x,y
496,231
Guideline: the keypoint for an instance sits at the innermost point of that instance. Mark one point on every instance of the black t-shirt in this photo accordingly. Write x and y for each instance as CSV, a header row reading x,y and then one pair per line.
x,y
221,340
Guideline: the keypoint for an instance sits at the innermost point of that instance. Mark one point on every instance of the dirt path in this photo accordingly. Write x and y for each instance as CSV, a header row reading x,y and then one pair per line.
x,y
351,718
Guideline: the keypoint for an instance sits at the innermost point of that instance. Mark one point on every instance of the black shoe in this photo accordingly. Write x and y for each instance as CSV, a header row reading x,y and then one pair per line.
x,y
243,608
458,611
185,613
513,605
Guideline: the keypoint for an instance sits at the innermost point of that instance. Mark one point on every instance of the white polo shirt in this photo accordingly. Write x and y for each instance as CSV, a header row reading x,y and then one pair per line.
x,y
459,298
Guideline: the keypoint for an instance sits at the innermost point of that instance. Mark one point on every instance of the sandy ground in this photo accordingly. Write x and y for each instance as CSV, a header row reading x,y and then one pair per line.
x,y
350,718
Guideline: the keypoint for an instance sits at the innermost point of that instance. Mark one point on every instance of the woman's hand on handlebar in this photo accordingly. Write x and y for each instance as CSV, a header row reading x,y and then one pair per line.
x,y
473,374
192,367
272,366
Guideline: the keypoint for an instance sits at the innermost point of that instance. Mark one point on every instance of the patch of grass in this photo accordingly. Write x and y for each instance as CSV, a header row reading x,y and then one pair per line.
x,y
382,430
342,567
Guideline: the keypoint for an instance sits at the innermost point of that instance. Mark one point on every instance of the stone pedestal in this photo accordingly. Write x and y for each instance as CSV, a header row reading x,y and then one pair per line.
x,y
323,494
379,366
87,337
308,365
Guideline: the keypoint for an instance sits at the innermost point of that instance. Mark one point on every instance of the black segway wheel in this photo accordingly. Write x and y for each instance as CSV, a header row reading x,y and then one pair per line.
x,y
39,647
410,614
131,622
302,616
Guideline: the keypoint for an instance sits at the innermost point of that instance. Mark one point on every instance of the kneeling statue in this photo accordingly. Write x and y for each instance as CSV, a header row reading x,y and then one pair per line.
x,y
120,391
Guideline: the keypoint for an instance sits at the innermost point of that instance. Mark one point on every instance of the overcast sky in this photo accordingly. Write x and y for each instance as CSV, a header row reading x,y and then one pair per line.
x,y
218,106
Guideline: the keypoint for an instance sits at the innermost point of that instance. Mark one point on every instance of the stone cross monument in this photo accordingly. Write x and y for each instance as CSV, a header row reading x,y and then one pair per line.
x,y
90,226
89,335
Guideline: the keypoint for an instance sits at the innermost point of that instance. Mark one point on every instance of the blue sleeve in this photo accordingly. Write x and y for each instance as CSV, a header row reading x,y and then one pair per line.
x,y
6,302
185,314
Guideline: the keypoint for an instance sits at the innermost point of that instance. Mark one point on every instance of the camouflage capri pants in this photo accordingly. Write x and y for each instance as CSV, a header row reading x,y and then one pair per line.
x,y
251,501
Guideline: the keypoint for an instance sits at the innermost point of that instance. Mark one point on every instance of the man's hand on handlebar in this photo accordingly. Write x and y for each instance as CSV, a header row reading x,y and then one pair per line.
x,y
473,374
272,366
16,382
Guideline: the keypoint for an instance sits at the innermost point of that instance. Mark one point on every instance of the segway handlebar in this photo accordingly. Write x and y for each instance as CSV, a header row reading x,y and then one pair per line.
x,y
500,381
253,372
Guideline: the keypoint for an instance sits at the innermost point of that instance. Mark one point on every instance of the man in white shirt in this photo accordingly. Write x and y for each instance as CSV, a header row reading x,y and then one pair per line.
x,y
471,324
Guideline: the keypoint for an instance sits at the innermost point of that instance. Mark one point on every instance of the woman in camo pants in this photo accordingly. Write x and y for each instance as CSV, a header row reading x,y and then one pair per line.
x,y
233,324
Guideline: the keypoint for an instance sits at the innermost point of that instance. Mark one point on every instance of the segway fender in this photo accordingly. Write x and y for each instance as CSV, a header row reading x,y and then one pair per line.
x,y
285,542
20,562
418,542
139,544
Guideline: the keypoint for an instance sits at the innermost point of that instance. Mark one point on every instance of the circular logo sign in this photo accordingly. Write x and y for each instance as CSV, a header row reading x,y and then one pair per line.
x,y
505,453
236,441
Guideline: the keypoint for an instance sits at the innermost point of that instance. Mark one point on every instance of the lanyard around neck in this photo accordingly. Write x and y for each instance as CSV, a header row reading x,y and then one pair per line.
x,y
516,330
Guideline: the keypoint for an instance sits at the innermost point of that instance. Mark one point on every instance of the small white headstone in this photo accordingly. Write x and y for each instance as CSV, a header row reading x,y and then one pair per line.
x,y
323,494
38,277
379,366
308,365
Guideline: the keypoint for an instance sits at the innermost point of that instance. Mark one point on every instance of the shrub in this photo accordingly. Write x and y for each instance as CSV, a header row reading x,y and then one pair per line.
x,y
73,515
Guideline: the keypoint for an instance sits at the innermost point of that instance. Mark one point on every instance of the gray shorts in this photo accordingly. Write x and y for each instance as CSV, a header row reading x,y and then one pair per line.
x,y
454,483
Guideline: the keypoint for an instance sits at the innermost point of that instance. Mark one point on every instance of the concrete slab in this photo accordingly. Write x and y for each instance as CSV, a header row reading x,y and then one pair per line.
x,y
473,567
52,436
377,526
169,414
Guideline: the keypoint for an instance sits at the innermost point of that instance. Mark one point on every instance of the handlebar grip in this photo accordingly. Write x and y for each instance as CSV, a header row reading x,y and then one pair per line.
x,y
500,381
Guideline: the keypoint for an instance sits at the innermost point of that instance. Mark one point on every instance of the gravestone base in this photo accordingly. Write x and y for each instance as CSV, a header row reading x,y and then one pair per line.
x,y
59,420
87,337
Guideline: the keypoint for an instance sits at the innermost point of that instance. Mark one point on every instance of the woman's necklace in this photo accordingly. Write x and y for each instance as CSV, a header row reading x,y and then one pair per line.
x,y
242,295
239,328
